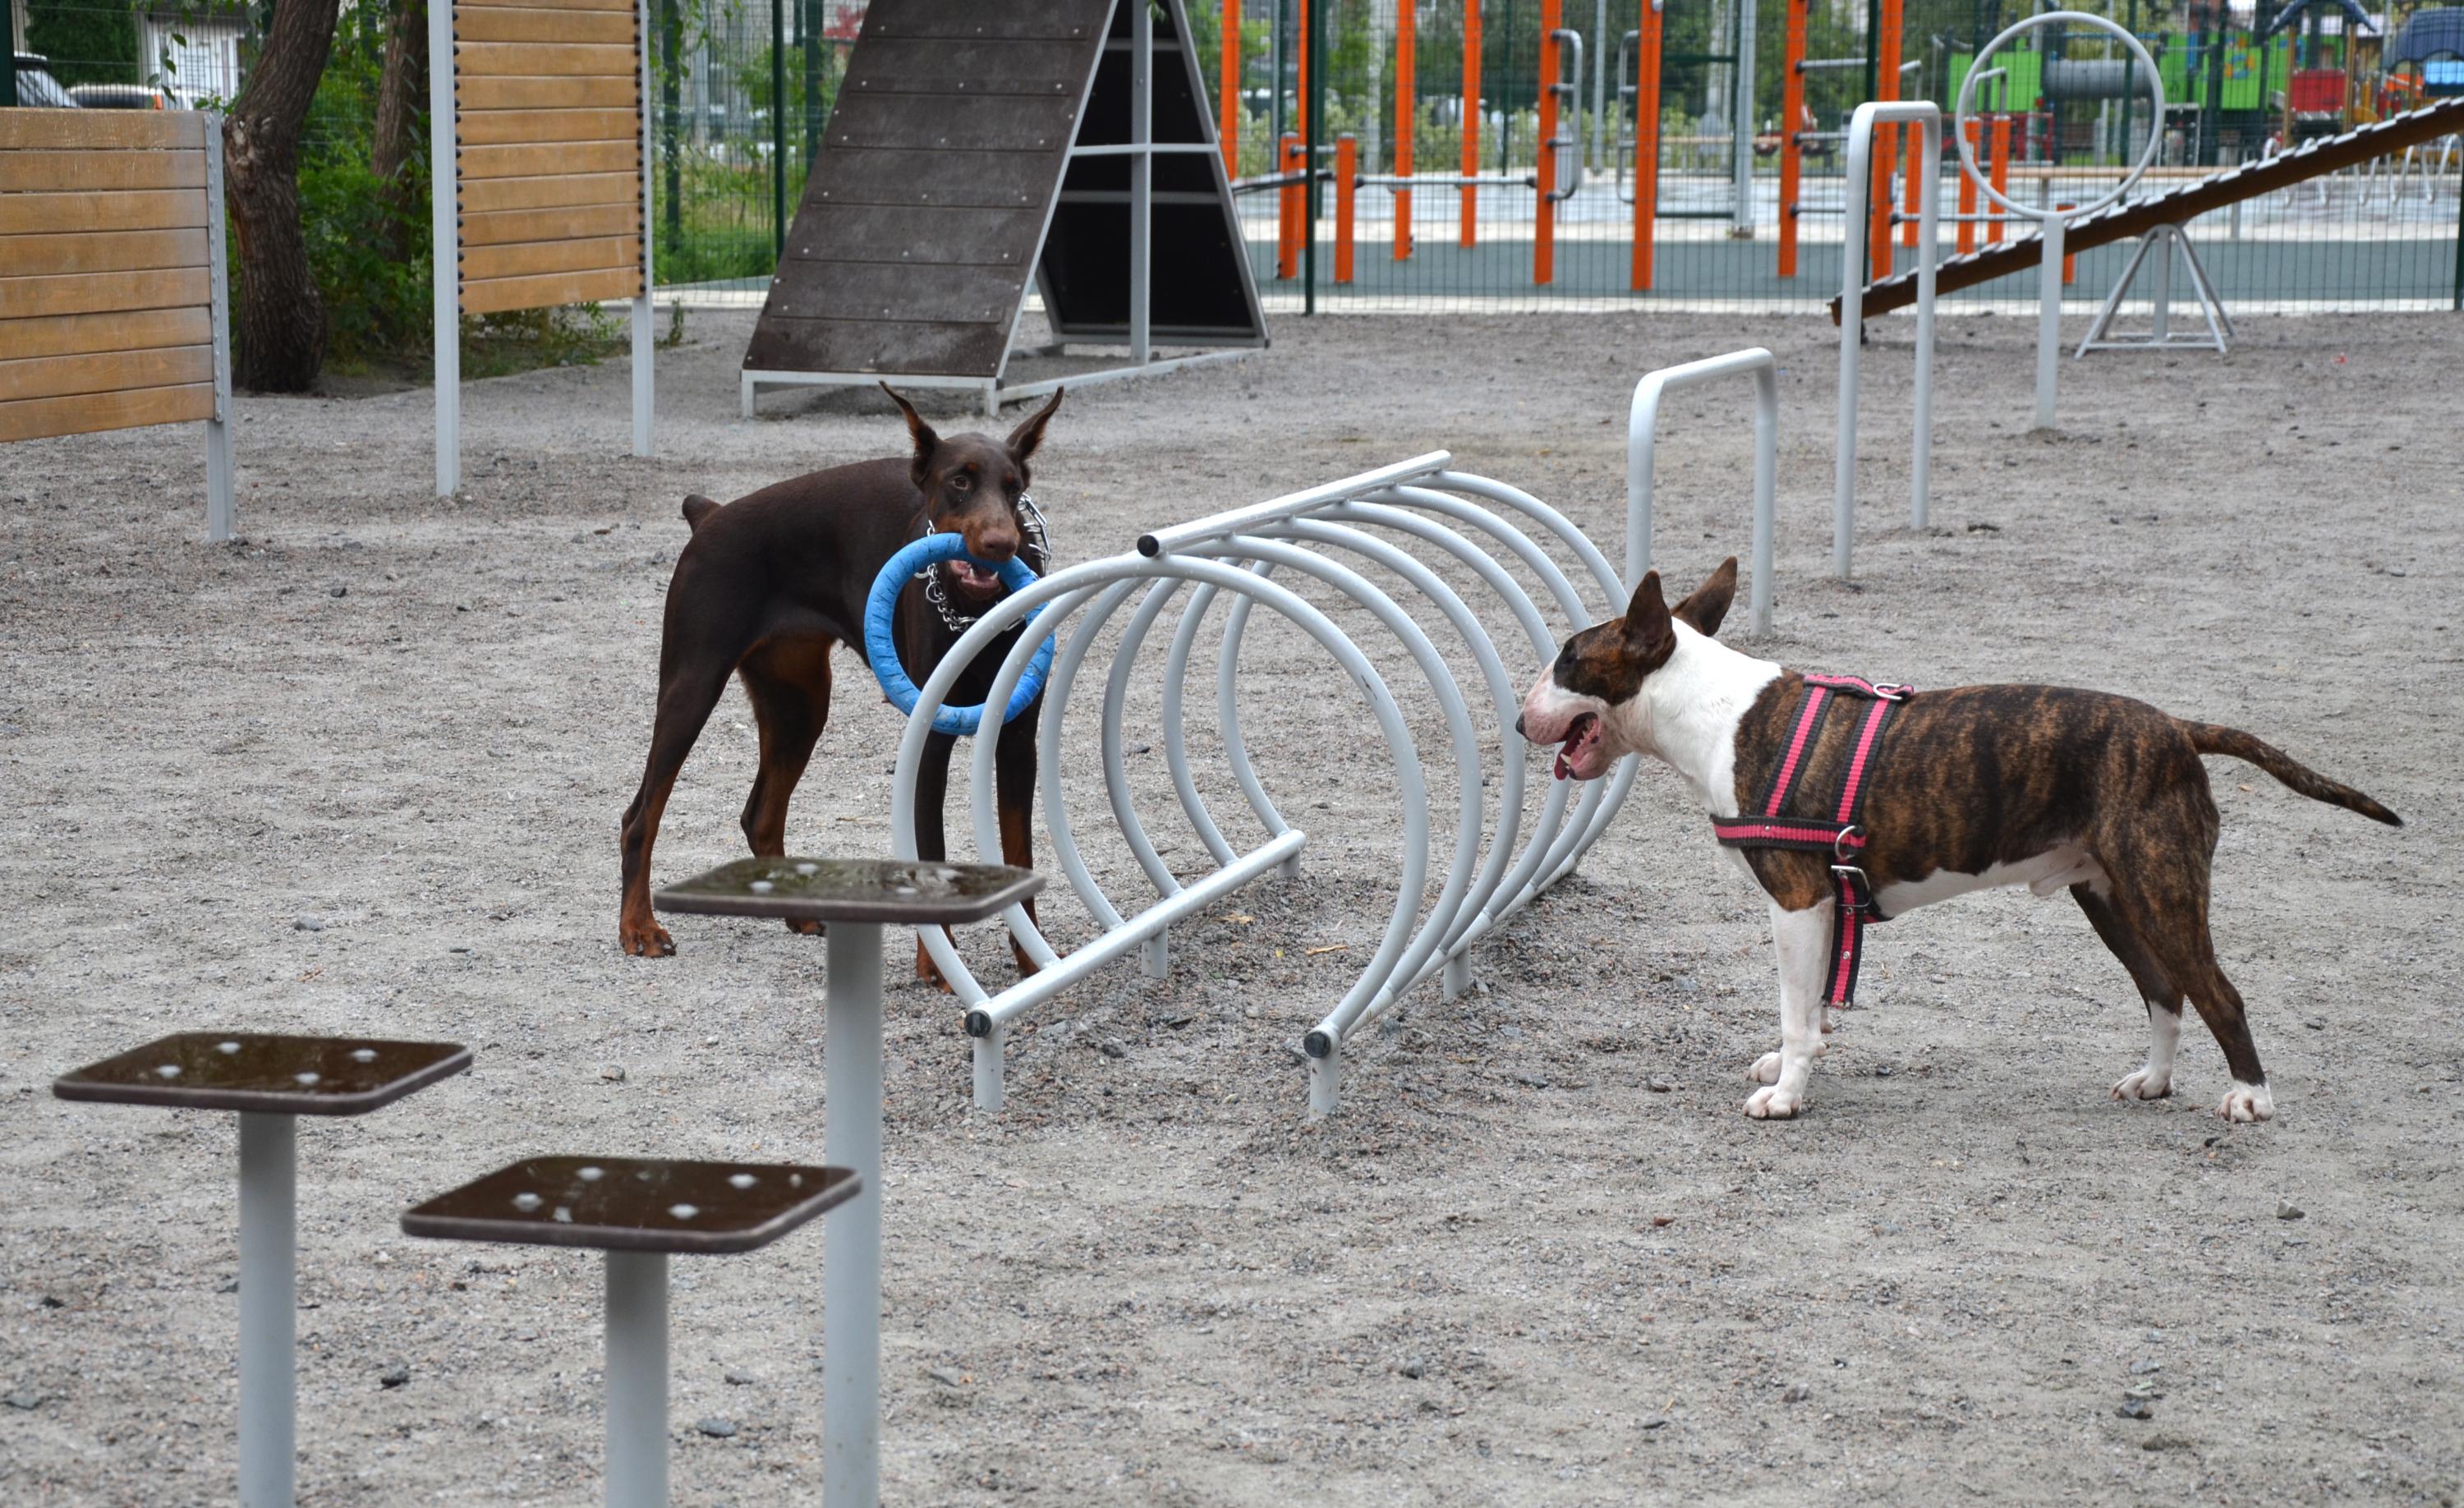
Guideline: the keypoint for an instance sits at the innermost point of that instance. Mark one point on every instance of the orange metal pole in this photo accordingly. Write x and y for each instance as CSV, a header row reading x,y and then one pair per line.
x,y
1407,117
1967,199
1544,226
1887,142
2000,174
1471,119
1287,223
2070,259
1792,121
1300,54
1347,172
1228,105
1646,145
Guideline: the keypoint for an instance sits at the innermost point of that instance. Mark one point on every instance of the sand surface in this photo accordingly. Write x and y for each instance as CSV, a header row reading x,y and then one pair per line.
x,y
362,774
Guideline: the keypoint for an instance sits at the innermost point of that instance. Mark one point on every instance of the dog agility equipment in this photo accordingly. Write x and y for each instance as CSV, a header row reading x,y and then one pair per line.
x,y
975,151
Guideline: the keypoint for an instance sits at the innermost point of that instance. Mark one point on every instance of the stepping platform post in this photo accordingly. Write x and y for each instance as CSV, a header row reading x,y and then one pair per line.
x,y
270,1081
638,1210
855,898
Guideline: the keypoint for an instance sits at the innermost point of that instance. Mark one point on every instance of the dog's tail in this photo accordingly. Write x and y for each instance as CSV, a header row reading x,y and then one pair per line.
x,y
2208,738
699,509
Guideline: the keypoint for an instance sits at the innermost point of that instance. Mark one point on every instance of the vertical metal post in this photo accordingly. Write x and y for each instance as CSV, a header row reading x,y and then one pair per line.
x,y
1791,116
637,1380
1313,126
672,45
1646,145
645,339
1326,1081
1602,63
2162,295
2048,319
851,1240
1928,138
268,1246
1741,227
1141,179
988,1068
445,233
220,509
1407,116
1862,128
9,55
1544,226
1227,103
1347,177
2458,300
1155,956
778,128
1470,121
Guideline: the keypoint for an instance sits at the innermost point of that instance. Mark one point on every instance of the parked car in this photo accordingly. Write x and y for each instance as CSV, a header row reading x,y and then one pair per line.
x,y
37,87
130,96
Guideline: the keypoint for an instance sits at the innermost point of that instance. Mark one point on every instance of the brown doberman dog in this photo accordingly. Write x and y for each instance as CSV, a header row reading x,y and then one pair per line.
x,y
1914,798
772,582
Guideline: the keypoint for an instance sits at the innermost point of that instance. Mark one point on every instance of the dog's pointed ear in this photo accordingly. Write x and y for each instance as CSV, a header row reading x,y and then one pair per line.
x,y
1024,439
1710,601
1646,619
922,434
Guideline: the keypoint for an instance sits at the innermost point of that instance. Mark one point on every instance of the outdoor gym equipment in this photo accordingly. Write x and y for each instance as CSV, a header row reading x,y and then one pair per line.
x,y
1499,862
116,312
544,114
1862,129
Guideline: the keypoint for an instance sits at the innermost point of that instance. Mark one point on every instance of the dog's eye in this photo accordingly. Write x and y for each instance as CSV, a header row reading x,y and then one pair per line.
x,y
963,483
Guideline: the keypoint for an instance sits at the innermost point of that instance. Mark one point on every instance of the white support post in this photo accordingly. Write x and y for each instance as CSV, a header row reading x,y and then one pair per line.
x,y
1155,956
645,338
851,1240
1326,1081
221,510
2049,320
1852,316
637,1379
1641,443
1455,981
445,233
2162,240
1142,181
988,1069
1741,225
267,1255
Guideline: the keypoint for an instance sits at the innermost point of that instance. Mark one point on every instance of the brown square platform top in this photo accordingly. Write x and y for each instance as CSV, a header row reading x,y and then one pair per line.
x,y
256,1071
892,891
627,1204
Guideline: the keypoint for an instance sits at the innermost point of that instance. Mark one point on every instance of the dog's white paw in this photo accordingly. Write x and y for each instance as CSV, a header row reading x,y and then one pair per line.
x,y
2145,1084
1773,1104
2247,1101
1766,1069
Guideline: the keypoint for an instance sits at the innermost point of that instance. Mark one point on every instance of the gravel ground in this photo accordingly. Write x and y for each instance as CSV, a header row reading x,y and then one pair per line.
x,y
362,774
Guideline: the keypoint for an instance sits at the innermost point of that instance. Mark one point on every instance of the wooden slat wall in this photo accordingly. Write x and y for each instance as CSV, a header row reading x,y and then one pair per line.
x,y
548,152
107,290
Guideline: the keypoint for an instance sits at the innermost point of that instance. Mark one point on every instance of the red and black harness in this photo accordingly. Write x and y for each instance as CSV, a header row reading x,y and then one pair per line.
x,y
1841,834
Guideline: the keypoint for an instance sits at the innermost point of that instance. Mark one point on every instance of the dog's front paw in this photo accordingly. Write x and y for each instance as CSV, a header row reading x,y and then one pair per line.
x,y
802,927
1766,1069
2144,1084
1773,1104
2247,1101
645,938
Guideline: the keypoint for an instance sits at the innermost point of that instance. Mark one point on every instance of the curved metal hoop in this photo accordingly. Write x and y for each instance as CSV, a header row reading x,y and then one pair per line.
x,y
1976,70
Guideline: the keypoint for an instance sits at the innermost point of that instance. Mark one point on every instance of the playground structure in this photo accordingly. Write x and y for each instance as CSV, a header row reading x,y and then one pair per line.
x,y
114,261
1499,864
969,158
544,116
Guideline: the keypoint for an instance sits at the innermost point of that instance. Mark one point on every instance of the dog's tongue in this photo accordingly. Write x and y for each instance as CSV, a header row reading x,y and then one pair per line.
x,y
973,573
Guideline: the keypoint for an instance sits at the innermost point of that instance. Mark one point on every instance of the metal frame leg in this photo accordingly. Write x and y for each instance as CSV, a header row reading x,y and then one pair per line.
x,y
268,1318
1326,1081
851,1240
988,1069
637,1380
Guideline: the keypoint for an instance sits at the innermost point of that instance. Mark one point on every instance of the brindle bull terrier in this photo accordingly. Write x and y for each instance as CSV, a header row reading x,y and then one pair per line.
x,y
1984,785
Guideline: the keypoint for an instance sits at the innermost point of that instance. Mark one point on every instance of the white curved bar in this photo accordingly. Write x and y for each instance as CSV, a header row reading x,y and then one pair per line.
x,y
1215,526
1175,748
1116,775
1641,441
1057,688
1852,314
1227,716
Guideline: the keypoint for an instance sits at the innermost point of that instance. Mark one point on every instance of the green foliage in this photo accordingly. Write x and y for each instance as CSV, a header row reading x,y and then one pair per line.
x,y
86,44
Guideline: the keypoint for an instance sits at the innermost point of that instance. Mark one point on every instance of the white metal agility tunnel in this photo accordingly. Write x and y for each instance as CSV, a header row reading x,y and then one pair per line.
x,y
1498,862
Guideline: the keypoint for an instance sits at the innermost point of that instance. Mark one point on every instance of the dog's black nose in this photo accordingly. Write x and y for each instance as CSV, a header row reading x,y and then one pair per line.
x,y
1518,727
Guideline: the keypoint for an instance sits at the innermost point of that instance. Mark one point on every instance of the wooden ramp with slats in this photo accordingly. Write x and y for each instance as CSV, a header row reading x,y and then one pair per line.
x,y
542,115
2132,219
113,312
978,152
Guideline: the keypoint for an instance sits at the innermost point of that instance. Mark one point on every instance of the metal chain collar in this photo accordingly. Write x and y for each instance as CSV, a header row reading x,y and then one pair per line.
x,y
1031,522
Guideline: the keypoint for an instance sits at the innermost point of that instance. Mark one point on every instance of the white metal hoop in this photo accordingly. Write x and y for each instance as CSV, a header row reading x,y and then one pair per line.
x,y
1975,74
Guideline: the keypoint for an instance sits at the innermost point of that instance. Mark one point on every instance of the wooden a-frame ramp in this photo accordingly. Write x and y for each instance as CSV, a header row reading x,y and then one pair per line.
x,y
974,146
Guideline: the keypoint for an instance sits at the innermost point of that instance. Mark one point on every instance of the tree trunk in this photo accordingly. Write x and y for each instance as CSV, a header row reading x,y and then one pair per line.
x,y
281,319
401,87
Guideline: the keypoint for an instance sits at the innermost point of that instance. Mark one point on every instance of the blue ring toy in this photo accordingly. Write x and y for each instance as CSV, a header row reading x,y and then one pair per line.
x,y
958,721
